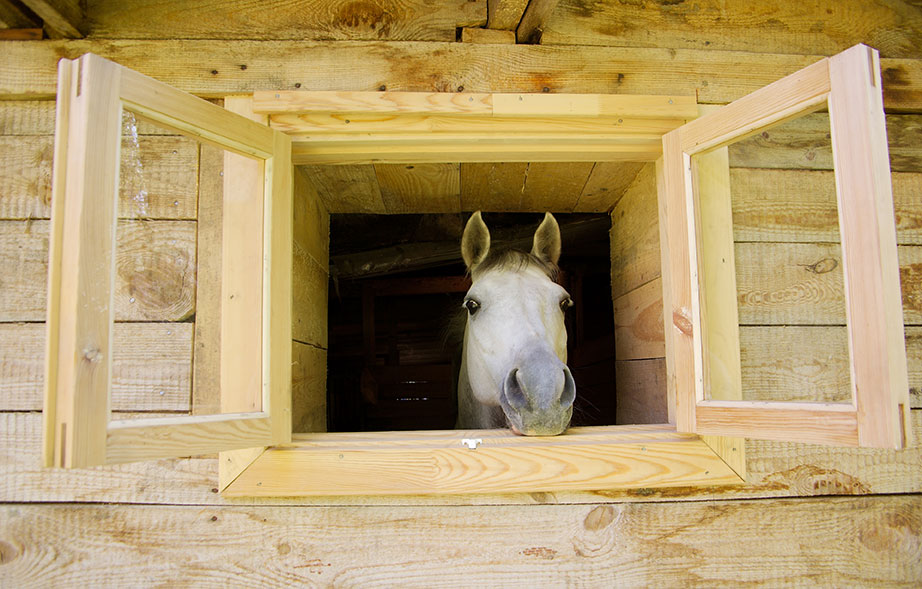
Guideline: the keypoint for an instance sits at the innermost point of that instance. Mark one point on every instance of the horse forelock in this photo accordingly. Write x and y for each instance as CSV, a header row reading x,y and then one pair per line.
x,y
517,261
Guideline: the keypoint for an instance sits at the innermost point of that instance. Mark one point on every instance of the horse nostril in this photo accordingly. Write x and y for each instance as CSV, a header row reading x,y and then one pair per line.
x,y
513,392
569,389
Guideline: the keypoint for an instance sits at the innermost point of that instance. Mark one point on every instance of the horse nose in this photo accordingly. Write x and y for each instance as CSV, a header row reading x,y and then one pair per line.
x,y
568,395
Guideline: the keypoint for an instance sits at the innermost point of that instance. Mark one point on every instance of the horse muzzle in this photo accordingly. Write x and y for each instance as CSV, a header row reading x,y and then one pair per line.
x,y
538,399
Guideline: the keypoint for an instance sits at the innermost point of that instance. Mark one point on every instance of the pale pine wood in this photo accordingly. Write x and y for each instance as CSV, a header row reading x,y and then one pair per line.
x,y
166,437
606,185
150,366
431,67
308,388
346,189
667,265
82,266
505,14
532,24
420,188
493,186
774,26
311,220
817,423
63,18
206,388
487,36
869,250
402,462
639,323
301,101
634,236
554,187
641,386
408,20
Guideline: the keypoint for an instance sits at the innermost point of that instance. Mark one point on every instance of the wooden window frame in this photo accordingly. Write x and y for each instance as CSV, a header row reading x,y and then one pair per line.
x,y
701,368
79,431
370,127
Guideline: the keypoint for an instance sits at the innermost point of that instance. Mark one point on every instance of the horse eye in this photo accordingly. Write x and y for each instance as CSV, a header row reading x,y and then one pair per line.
x,y
471,305
566,303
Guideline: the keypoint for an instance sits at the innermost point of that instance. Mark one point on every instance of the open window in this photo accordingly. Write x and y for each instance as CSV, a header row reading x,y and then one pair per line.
x,y
255,382
688,445
702,337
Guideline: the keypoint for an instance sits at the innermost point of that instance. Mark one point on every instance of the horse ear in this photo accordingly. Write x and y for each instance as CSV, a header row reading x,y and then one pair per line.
x,y
475,242
547,240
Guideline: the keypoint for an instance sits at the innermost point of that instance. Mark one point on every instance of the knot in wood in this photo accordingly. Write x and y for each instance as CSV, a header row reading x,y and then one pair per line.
x,y
92,354
682,322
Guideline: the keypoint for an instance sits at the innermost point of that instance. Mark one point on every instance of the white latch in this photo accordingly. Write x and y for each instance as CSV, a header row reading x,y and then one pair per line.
x,y
471,443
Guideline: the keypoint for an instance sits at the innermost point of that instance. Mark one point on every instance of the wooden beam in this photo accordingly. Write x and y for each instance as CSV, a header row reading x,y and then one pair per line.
x,y
63,18
487,36
536,15
20,34
12,16
212,68
505,14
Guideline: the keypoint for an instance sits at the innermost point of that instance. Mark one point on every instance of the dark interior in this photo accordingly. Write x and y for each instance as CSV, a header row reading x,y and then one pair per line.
x,y
396,322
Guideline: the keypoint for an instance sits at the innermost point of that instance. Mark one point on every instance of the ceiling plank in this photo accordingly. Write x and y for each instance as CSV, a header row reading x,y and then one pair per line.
x,y
63,18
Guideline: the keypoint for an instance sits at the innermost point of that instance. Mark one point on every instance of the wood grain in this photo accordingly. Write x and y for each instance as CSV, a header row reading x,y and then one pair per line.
x,y
606,185
554,187
151,366
505,14
428,67
492,186
488,36
310,286
634,235
346,189
639,323
895,29
871,541
420,188
167,175
801,283
404,20
641,391
308,388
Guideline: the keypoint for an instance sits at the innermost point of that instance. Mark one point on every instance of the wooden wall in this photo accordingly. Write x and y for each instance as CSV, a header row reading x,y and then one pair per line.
x,y
808,515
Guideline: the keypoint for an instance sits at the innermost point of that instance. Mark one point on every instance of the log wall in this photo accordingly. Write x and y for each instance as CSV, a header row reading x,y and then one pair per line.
x,y
808,514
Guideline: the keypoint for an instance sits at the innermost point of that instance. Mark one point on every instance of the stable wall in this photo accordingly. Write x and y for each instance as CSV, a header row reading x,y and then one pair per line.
x,y
53,530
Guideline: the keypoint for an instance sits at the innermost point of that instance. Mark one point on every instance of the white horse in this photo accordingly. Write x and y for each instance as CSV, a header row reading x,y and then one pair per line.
x,y
513,366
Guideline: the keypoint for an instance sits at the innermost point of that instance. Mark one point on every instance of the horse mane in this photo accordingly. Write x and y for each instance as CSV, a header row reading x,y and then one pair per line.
x,y
516,261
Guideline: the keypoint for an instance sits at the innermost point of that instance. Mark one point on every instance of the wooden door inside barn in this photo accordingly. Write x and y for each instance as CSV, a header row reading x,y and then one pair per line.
x,y
395,326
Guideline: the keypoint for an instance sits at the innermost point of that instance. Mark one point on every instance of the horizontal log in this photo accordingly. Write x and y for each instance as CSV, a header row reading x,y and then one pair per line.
x,y
411,20
154,275
214,68
868,541
151,366
774,26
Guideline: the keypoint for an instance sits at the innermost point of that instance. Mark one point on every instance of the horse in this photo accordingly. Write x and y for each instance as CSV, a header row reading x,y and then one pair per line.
x,y
513,365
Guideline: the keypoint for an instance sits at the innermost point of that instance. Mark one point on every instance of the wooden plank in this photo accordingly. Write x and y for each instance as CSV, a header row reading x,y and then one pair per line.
x,y
554,187
12,16
151,366
536,15
310,286
804,143
774,27
776,469
487,36
800,205
21,34
606,184
63,18
206,389
311,220
870,543
403,462
869,252
308,388
420,188
492,186
641,391
634,235
347,189
801,284
412,20
435,67
27,117
818,423
164,167
505,14
639,323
